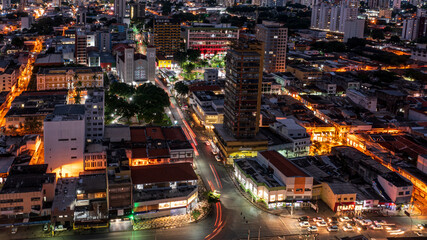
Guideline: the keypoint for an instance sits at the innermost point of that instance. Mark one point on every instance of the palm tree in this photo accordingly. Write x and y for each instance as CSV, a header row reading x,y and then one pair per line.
x,y
78,85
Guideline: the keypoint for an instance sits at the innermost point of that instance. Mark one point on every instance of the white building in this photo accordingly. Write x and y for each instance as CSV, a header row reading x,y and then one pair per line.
x,y
136,68
419,53
275,38
397,188
366,101
338,18
267,174
64,140
25,21
299,138
354,28
94,113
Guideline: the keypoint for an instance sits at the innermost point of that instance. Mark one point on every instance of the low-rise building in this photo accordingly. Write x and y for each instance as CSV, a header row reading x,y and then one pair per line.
x,y
49,78
273,178
64,202
119,184
27,190
159,145
9,73
163,190
209,108
364,100
300,140
304,73
397,188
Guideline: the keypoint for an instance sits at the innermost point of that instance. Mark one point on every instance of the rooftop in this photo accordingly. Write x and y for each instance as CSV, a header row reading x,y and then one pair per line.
x,y
396,179
282,164
257,172
163,173
92,183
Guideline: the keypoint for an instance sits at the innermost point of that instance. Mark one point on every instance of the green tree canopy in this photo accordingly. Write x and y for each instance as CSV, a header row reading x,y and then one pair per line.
x,y
150,102
181,88
122,89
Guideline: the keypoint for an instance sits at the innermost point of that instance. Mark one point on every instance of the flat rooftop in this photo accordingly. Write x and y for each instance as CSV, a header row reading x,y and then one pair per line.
x,y
163,173
257,172
282,164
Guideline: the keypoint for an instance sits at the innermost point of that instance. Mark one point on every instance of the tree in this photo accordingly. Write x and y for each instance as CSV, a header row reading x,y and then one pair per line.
x,y
122,89
189,67
356,42
377,34
18,42
181,88
193,55
150,102
180,57
32,126
395,39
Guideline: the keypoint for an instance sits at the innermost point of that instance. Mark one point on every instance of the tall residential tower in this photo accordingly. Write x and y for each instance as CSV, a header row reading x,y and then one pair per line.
x,y
274,36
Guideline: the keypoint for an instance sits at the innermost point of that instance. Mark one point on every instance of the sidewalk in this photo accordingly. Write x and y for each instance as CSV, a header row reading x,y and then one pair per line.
x,y
172,221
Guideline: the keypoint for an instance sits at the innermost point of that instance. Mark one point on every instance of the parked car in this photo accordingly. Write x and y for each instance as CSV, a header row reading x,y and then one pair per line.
x,y
14,230
303,219
322,224
208,143
376,226
217,158
421,226
333,228
345,219
45,227
332,219
304,224
333,223
59,228
366,222
318,219
348,228
312,229
382,222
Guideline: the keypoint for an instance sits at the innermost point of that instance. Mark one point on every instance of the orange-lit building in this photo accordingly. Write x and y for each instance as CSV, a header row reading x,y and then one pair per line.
x,y
162,190
159,145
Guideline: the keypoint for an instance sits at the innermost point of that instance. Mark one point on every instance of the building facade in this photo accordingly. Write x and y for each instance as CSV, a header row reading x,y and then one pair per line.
x,y
167,34
274,36
65,77
210,39
242,100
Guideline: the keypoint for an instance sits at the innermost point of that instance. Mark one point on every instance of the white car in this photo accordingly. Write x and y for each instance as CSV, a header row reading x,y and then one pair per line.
x,y
322,224
208,143
304,224
59,228
312,229
345,219
366,222
217,158
376,226
348,228
382,222
333,229
318,219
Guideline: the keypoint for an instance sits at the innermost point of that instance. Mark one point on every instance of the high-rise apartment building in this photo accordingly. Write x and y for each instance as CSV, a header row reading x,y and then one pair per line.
x,y
120,10
242,100
5,4
414,28
137,10
80,51
94,114
166,36
274,36
340,18
378,4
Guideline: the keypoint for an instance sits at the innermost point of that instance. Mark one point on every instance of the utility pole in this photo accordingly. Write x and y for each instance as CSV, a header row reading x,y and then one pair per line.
x,y
259,233
249,234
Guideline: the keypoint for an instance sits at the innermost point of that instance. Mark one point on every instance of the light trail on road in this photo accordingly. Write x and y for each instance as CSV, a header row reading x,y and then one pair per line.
x,y
217,179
